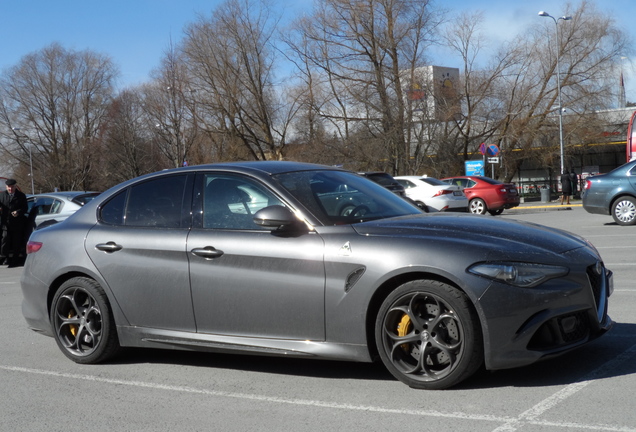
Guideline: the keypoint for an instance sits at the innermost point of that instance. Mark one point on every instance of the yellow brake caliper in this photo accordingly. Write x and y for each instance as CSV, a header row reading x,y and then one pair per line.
x,y
403,328
72,327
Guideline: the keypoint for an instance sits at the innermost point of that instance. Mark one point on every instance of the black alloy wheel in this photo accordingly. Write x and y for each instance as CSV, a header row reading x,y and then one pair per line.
x,y
428,335
82,321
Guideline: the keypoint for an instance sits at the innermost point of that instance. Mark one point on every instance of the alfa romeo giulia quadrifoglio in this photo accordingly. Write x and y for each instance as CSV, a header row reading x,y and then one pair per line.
x,y
292,259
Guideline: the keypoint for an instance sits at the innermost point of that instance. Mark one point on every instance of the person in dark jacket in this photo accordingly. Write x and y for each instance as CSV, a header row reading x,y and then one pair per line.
x,y
575,182
566,187
13,209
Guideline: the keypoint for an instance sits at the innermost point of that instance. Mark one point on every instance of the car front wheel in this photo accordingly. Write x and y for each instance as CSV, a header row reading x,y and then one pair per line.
x,y
477,206
624,211
82,321
428,335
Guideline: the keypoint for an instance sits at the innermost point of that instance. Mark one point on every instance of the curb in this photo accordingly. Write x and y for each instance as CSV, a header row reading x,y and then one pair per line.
x,y
544,207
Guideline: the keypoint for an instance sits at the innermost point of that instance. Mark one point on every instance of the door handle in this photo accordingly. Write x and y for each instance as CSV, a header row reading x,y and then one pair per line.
x,y
207,252
108,247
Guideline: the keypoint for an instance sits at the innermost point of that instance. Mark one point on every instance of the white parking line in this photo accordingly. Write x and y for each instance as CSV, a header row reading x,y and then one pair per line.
x,y
533,413
510,424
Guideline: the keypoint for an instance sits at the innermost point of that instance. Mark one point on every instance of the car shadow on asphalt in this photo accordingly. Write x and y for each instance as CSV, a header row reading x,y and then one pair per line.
x,y
257,363
588,362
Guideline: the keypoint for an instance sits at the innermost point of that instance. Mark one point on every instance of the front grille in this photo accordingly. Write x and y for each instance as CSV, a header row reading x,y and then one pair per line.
x,y
561,331
596,283
596,276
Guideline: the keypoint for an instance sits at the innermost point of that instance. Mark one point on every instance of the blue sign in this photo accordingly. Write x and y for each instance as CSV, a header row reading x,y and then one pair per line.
x,y
492,150
474,167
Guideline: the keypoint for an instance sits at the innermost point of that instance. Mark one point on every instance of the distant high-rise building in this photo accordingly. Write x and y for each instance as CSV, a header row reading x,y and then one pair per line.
x,y
434,89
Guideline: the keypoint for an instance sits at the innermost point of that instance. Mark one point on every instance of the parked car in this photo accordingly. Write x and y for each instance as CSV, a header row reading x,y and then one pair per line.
x,y
50,208
173,260
485,194
613,194
434,195
386,180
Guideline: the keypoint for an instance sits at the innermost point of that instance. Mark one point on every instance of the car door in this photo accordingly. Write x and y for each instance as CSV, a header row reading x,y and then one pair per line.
x,y
247,280
139,246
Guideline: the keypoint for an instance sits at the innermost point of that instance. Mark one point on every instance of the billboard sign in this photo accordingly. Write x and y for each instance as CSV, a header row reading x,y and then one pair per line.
x,y
474,167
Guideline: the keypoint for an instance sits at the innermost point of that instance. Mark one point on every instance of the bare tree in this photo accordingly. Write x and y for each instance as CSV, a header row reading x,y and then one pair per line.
x,y
128,149
231,58
57,99
363,54
513,101
170,109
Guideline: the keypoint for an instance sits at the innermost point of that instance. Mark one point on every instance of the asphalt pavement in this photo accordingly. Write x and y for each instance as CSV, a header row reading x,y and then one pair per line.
x,y
589,389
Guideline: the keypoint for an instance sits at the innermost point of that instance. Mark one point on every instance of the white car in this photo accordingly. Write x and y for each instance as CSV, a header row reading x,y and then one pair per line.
x,y
434,195
49,208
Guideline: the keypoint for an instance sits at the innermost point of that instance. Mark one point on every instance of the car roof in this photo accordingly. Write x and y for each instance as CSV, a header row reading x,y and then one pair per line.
x,y
264,167
64,194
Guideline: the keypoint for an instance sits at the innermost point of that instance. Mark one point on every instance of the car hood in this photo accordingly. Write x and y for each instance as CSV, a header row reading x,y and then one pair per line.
x,y
474,229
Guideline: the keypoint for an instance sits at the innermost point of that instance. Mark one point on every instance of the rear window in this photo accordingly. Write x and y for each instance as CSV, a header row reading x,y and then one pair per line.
x,y
433,181
489,180
83,199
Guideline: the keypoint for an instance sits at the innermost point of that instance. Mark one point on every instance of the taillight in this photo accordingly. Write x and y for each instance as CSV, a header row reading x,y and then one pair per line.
x,y
588,184
33,247
443,192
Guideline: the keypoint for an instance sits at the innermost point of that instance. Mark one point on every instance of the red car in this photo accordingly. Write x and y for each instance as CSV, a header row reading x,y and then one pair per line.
x,y
485,194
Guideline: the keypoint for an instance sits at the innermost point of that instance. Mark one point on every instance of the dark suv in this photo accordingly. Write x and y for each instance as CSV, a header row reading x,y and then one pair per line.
x,y
613,194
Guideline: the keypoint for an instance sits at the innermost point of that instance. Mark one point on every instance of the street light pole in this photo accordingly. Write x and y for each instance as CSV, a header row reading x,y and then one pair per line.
x,y
558,46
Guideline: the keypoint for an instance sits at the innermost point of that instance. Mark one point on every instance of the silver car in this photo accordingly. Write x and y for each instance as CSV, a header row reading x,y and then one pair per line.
x,y
49,208
434,195
323,264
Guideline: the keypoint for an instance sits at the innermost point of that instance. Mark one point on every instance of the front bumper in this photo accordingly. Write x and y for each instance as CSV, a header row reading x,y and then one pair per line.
x,y
548,320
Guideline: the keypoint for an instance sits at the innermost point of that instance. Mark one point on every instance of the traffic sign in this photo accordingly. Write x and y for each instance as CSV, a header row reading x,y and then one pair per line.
x,y
492,150
493,160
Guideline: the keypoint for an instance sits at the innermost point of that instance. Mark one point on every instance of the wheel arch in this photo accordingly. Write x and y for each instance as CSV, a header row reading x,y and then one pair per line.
x,y
617,197
62,278
389,286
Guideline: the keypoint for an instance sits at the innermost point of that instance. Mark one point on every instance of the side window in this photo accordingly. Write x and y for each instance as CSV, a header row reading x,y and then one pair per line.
x,y
112,212
43,205
229,202
470,183
406,183
56,206
156,203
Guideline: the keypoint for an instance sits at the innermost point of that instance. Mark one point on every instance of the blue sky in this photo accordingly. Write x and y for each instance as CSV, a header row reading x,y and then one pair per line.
x,y
136,33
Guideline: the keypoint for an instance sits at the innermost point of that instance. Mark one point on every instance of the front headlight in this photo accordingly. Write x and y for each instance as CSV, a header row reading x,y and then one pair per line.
x,y
525,275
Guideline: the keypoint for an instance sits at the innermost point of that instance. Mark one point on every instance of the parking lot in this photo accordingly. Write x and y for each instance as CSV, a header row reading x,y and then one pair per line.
x,y
590,389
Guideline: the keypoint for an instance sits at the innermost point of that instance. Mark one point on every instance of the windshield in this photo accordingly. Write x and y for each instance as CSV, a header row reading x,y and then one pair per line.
x,y
336,197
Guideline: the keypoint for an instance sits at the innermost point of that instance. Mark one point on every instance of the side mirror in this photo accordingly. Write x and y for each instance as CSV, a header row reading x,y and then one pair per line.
x,y
275,217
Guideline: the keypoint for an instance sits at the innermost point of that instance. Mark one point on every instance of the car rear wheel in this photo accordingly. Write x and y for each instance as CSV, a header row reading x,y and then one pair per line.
x,y
82,321
624,211
422,206
428,335
496,212
477,206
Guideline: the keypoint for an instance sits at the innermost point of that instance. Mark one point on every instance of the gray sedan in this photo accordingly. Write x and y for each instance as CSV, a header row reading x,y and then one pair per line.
x,y
324,264
613,194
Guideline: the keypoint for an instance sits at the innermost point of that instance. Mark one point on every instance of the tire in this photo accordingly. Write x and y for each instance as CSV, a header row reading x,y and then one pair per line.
x,y
496,212
624,211
477,206
422,206
428,335
82,322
